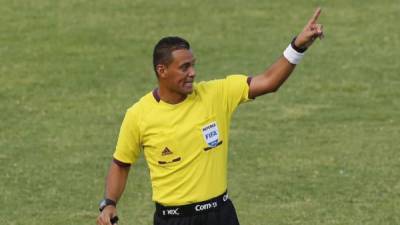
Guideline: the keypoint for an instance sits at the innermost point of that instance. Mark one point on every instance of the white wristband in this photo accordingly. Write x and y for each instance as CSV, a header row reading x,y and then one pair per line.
x,y
292,55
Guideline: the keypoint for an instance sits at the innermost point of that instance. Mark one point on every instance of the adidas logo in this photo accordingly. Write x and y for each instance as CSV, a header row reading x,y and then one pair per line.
x,y
166,151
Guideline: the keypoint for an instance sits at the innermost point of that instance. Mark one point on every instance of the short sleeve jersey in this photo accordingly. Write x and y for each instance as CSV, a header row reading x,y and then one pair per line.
x,y
185,144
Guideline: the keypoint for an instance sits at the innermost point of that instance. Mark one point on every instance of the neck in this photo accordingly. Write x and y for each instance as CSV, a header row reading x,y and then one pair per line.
x,y
169,96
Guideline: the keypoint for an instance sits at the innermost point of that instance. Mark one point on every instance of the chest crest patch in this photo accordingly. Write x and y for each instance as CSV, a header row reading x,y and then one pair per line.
x,y
211,134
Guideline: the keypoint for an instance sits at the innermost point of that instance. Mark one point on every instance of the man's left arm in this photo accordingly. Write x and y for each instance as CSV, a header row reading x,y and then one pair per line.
x,y
278,72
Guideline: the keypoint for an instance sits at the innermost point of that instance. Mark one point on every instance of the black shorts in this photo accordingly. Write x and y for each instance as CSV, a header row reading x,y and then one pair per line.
x,y
224,214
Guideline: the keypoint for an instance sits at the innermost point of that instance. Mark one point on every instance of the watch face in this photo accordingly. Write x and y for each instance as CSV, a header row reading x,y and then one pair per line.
x,y
103,204
106,202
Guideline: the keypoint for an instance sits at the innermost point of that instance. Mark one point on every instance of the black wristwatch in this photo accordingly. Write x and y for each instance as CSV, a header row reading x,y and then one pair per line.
x,y
105,202
298,49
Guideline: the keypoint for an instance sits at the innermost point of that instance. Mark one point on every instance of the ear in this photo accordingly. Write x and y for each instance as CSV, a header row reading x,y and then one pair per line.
x,y
161,70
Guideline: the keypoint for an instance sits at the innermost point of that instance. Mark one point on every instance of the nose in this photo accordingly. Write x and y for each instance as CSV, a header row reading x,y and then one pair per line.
x,y
192,72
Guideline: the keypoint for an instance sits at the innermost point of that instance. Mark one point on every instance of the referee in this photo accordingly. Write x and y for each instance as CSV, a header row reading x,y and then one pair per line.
x,y
182,128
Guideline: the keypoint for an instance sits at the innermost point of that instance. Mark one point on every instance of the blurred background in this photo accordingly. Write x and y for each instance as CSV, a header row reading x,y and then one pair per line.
x,y
324,149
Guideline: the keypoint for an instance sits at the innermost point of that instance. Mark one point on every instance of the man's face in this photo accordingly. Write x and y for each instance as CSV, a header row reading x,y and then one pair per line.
x,y
179,75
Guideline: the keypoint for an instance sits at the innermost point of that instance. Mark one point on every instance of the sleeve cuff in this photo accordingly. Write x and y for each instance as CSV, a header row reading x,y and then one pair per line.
x,y
249,80
121,164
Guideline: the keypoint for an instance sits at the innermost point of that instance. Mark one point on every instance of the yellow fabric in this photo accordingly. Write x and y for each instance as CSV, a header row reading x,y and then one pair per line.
x,y
182,142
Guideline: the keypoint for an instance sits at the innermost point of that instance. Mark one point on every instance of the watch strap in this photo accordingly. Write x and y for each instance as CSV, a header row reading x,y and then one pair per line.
x,y
296,48
106,202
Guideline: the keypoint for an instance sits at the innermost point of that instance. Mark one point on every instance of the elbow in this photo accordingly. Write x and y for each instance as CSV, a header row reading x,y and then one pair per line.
x,y
274,89
267,90
272,86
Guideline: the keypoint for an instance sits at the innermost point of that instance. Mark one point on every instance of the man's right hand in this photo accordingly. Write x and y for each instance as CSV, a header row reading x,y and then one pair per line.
x,y
310,32
105,216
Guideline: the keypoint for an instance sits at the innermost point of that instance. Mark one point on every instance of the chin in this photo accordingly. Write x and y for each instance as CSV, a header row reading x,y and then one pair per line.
x,y
187,90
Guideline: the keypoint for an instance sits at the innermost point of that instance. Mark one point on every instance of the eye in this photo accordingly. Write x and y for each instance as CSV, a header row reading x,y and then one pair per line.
x,y
185,66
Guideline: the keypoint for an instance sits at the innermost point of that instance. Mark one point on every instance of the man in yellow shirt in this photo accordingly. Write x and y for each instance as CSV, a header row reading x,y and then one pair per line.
x,y
182,128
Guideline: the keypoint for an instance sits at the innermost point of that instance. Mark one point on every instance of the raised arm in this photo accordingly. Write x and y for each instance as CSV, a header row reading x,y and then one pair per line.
x,y
271,79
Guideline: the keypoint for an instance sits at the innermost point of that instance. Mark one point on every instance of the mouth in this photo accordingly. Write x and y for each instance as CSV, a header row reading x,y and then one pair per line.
x,y
188,84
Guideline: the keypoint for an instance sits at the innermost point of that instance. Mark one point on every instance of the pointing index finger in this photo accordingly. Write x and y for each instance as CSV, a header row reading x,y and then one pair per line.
x,y
314,18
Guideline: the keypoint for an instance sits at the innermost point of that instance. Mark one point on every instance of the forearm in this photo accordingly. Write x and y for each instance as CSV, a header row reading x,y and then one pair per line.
x,y
272,78
116,181
279,72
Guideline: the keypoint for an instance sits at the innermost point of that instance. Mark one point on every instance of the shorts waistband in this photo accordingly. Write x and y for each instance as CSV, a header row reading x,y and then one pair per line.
x,y
192,209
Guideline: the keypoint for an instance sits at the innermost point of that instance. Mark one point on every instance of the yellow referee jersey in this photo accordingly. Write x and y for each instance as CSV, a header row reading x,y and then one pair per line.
x,y
185,144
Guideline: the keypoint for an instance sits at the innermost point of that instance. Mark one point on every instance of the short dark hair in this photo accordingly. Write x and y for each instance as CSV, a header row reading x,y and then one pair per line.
x,y
162,53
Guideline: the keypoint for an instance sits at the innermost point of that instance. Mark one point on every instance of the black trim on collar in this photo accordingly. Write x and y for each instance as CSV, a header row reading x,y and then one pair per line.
x,y
155,95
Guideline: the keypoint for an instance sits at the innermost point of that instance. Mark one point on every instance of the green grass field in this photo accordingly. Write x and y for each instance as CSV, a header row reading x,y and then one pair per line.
x,y
324,149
